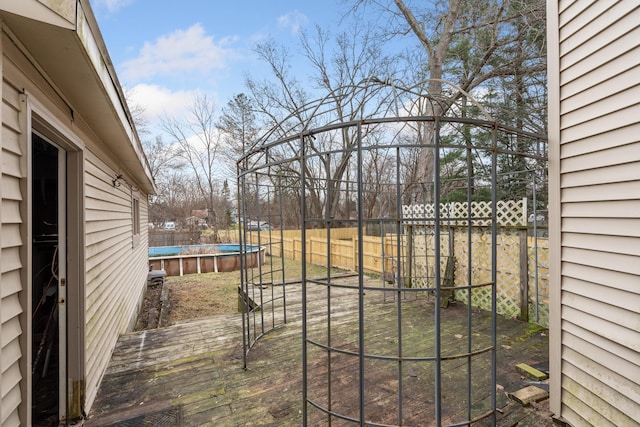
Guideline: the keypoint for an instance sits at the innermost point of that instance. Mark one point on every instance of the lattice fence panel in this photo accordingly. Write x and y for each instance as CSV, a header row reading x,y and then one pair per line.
x,y
423,256
508,213
480,265
507,271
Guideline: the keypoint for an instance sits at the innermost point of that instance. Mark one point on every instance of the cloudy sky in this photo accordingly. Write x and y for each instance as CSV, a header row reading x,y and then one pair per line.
x,y
164,51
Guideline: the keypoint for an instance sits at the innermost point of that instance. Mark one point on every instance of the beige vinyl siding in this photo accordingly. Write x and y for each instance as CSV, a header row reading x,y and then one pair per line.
x,y
593,40
599,206
10,262
612,158
115,271
608,208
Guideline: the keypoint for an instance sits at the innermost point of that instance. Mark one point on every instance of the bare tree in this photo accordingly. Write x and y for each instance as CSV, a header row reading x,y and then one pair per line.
x,y
469,42
165,168
378,179
341,67
162,164
137,114
170,203
161,157
198,142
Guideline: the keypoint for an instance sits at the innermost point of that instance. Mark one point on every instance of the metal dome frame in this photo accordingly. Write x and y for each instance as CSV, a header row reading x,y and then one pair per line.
x,y
297,162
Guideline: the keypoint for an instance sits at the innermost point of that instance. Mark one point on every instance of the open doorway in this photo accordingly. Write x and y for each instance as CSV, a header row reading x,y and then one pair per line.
x,y
48,295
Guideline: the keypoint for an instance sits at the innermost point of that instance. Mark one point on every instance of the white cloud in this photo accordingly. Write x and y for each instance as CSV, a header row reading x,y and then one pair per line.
x,y
190,50
157,101
292,21
113,5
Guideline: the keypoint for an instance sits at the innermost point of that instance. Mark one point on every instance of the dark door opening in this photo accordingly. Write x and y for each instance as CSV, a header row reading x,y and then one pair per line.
x,y
45,369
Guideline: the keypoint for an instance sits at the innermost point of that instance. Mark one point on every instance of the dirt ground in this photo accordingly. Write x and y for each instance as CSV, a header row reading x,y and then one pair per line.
x,y
196,296
150,310
186,298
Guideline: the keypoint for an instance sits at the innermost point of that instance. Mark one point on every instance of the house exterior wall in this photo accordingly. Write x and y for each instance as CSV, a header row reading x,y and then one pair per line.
x,y
594,122
113,263
11,259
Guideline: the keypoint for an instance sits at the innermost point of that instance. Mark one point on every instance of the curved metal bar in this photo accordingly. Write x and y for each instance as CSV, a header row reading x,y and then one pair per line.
x,y
401,358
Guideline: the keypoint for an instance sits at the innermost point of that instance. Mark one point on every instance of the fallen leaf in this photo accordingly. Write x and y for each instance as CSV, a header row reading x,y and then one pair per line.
x,y
411,372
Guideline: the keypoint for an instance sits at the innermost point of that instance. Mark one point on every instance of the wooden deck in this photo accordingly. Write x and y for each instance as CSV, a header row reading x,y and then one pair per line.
x,y
192,373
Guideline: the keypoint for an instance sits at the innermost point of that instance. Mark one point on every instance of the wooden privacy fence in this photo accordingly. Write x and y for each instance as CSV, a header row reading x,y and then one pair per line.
x,y
343,246
173,238
522,276
522,281
522,284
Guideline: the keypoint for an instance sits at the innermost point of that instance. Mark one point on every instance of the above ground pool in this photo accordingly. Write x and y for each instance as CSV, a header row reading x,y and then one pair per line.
x,y
189,259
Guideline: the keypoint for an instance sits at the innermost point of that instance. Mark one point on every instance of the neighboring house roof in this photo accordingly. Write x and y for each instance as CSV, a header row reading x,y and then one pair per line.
x,y
200,213
64,36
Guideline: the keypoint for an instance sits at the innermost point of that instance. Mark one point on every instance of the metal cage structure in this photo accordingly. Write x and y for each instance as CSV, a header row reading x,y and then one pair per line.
x,y
389,332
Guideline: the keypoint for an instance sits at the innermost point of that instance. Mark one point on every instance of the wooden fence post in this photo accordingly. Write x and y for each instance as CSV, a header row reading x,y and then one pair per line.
x,y
354,245
524,275
407,280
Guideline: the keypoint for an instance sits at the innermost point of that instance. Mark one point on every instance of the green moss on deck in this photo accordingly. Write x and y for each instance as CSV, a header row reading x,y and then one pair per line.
x,y
198,365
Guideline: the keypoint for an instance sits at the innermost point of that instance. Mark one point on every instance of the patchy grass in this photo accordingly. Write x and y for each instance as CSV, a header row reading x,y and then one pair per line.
x,y
195,296
201,295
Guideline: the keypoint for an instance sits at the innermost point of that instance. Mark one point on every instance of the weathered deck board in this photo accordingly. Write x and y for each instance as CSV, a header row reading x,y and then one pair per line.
x,y
198,365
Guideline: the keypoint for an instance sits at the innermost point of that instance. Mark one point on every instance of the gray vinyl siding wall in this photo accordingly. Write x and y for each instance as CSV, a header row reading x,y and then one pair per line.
x,y
599,206
115,270
11,263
